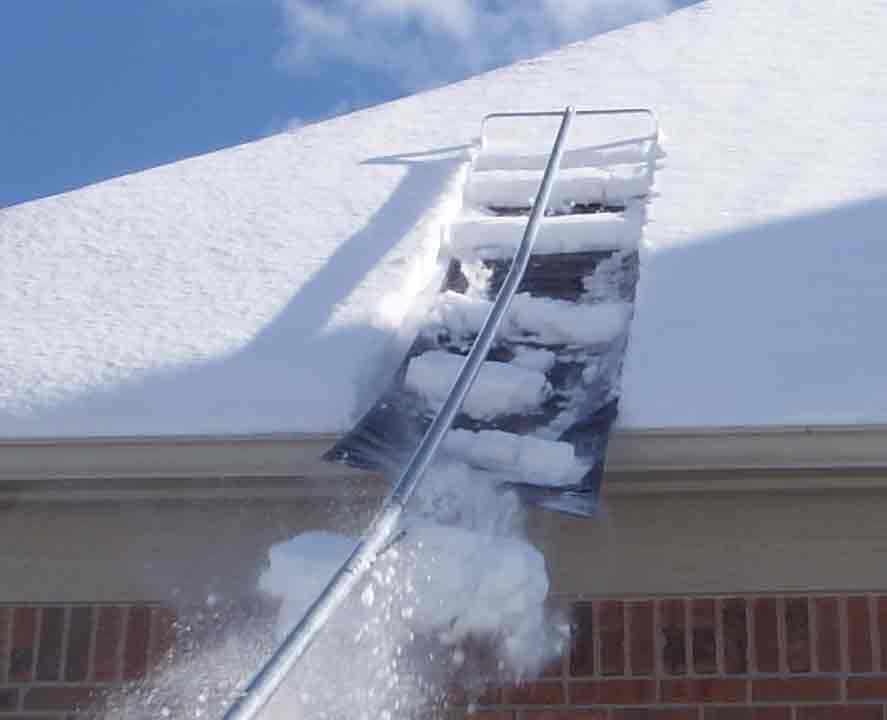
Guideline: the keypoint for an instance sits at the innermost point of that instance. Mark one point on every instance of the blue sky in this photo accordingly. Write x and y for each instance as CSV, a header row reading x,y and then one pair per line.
x,y
99,88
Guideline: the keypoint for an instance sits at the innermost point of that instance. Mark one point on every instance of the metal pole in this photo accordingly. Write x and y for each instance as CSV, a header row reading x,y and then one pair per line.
x,y
266,682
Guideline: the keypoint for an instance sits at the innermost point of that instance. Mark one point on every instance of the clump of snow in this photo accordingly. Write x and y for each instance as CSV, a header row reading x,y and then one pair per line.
x,y
541,319
460,572
442,578
500,388
603,285
492,238
556,321
516,188
522,457
533,358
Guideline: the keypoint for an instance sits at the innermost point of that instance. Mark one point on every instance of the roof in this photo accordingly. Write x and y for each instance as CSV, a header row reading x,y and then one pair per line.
x,y
266,288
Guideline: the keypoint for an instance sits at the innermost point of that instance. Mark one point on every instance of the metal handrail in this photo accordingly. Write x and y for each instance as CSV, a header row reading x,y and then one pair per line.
x,y
654,135
383,529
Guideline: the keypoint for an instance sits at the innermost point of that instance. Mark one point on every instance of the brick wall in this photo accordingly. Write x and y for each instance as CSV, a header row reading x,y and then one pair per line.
x,y
57,659
710,658
700,658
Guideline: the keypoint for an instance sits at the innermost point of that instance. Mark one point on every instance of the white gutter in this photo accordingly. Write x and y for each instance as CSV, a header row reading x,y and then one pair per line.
x,y
674,460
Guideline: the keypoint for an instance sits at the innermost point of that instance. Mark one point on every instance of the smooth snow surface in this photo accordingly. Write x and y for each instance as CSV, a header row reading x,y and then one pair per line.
x,y
264,288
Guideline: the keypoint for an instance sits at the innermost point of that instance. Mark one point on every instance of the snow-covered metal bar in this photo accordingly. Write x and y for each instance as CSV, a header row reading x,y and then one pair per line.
x,y
645,112
384,527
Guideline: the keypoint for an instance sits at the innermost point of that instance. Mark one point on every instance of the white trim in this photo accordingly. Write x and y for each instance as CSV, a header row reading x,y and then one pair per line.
x,y
639,461
187,457
761,448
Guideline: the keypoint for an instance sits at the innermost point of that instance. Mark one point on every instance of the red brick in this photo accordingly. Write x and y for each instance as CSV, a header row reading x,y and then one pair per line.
x,y
488,695
487,715
108,636
458,694
66,698
706,690
705,649
839,712
163,636
21,658
612,637
797,632
828,635
779,712
138,630
79,638
533,694
795,689
582,651
565,714
766,635
8,699
859,634
735,639
673,626
49,660
656,714
642,641
881,609
552,669
867,688
481,656
5,642
613,692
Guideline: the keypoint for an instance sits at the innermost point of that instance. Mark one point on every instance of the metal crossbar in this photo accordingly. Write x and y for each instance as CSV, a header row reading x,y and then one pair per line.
x,y
653,135
384,527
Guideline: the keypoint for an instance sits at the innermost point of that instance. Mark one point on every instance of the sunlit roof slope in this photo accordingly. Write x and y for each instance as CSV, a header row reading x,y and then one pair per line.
x,y
267,287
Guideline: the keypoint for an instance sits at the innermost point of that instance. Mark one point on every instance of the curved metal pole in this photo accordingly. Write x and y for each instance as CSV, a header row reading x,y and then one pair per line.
x,y
266,682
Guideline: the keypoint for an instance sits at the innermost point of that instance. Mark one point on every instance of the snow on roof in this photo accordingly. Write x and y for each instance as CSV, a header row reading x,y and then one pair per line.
x,y
267,287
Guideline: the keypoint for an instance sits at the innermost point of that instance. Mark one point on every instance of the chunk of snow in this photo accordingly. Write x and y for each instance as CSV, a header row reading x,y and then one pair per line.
x,y
578,185
500,388
556,321
533,358
523,457
438,579
541,319
498,237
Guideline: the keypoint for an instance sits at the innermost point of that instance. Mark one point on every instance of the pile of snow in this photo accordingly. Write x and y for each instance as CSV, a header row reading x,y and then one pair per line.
x,y
500,388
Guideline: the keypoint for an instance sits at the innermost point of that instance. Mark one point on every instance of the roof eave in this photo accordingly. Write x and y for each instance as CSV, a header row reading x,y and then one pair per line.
x,y
639,461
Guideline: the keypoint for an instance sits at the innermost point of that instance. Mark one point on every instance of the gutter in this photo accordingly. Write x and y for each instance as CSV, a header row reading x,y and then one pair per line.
x,y
639,461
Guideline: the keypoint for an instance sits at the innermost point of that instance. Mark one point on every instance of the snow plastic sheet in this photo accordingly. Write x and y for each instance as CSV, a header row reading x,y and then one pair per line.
x,y
538,417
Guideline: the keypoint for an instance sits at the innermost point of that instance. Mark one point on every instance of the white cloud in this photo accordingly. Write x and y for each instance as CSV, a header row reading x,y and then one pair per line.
x,y
422,43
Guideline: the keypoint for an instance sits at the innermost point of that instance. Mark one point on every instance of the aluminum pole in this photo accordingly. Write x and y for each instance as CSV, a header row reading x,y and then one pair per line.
x,y
383,528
